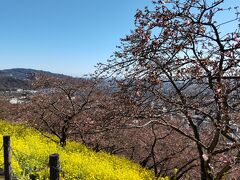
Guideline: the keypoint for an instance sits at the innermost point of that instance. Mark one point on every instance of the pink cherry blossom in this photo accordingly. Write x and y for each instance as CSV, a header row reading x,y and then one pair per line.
x,y
237,39
205,157
187,22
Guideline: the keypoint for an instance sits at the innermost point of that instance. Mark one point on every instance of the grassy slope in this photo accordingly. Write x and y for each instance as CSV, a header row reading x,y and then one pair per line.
x,y
31,150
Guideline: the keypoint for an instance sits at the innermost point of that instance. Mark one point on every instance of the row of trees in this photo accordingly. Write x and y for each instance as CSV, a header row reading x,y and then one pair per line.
x,y
178,64
171,102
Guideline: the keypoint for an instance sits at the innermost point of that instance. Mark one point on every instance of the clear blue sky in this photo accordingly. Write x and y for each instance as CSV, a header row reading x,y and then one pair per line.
x,y
63,36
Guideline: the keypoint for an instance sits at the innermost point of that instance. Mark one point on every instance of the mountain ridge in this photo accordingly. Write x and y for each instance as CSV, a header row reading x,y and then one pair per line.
x,y
21,78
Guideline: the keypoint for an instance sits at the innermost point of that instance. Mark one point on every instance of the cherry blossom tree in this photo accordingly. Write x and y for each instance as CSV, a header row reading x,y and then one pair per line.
x,y
179,68
61,106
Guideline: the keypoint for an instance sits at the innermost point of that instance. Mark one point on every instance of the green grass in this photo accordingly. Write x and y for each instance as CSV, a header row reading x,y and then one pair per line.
x,y
31,151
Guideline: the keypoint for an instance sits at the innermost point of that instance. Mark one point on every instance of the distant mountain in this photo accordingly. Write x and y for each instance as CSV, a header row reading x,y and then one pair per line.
x,y
26,74
20,78
10,83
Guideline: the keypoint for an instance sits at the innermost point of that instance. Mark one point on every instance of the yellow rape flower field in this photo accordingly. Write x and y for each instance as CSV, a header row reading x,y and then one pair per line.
x,y
31,150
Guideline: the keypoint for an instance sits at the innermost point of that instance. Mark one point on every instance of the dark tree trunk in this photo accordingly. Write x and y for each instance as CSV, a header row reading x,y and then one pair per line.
x,y
63,139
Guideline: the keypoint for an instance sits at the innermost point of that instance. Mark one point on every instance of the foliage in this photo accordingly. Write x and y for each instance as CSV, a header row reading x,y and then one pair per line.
x,y
30,151
61,105
179,68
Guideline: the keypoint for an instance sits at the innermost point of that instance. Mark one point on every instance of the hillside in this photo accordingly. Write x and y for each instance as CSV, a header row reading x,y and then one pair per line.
x,y
31,150
20,78
11,83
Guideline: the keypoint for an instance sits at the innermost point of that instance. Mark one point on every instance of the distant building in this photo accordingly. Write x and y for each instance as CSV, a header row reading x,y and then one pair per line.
x,y
16,101
19,90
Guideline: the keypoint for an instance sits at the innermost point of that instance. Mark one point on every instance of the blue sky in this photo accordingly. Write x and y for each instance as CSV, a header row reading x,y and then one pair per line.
x,y
63,36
